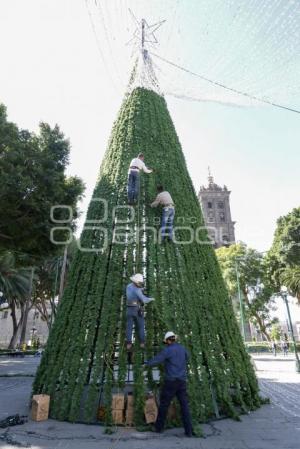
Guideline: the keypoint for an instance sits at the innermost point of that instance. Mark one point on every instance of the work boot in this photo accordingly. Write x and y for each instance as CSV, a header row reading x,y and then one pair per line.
x,y
129,346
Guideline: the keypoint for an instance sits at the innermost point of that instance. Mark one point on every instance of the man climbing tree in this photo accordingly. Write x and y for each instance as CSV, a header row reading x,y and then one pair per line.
x,y
136,165
168,212
135,312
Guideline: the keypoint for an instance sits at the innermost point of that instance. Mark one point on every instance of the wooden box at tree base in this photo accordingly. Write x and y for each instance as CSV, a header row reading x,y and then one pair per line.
x,y
171,416
129,400
101,413
129,417
118,416
150,410
118,402
40,407
129,410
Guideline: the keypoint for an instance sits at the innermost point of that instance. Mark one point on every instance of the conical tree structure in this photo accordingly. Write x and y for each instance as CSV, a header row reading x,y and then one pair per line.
x,y
85,360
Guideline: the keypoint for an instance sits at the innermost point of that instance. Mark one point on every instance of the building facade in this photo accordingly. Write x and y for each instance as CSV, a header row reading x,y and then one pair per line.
x,y
36,327
215,204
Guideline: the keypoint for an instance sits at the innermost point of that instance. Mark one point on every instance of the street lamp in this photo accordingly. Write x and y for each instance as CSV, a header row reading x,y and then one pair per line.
x,y
284,295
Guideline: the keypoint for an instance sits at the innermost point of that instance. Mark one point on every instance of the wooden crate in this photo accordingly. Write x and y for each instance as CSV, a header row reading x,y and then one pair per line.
x,y
129,416
130,400
118,402
40,407
101,413
150,410
172,412
118,416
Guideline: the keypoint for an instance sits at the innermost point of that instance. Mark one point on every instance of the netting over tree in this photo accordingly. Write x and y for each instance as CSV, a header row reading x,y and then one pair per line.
x,y
85,360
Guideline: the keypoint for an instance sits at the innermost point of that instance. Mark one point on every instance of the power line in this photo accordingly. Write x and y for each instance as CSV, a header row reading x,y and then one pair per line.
x,y
231,89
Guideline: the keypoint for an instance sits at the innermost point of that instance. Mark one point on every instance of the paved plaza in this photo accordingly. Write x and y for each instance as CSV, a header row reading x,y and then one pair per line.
x,y
273,426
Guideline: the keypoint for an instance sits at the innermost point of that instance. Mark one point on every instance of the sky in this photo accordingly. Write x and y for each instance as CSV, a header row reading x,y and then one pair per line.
x,y
67,62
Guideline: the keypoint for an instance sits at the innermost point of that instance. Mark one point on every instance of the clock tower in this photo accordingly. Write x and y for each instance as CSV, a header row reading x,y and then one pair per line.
x,y
215,204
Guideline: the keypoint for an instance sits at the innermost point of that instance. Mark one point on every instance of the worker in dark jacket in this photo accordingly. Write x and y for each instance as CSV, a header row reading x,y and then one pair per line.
x,y
175,358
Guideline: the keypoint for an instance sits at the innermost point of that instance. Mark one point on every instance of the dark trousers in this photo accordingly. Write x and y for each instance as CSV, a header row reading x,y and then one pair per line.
x,y
170,389
133,315
133,186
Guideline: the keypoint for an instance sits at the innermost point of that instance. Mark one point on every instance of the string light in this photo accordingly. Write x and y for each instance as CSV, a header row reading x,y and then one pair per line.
x,y
249,46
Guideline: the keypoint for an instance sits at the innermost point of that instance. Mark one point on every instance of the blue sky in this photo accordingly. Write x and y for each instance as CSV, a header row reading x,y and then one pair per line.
x,y
52,70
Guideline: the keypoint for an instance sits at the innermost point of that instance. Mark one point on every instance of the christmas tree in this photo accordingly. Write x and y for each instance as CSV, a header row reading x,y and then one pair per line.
x,y
85,360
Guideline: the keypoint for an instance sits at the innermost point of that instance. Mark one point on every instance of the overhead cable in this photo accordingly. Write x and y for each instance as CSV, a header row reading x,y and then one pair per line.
x,y
223,86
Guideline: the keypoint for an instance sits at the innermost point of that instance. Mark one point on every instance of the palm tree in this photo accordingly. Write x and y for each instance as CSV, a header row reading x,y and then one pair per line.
x,y
14,282
49,277
291,278
14,285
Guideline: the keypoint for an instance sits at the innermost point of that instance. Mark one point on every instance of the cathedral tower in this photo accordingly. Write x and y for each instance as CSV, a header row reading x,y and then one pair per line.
x,y
215,206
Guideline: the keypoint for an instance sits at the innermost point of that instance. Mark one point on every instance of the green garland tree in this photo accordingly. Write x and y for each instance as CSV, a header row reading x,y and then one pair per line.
x,y
85,360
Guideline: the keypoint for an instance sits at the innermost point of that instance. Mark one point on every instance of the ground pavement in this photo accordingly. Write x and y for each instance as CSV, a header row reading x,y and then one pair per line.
x,y
273,426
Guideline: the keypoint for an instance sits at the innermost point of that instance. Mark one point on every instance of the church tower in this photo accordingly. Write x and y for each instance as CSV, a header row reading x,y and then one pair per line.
x,y
215,206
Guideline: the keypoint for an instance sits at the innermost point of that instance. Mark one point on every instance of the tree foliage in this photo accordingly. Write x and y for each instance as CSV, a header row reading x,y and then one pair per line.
x,y
14,281
284,256
85,358
49,272
33,179
290,277
15,284
256,287
275,333
32,171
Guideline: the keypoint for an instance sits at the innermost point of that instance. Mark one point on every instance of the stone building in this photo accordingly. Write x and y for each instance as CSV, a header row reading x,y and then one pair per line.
x,y
36,327
215,204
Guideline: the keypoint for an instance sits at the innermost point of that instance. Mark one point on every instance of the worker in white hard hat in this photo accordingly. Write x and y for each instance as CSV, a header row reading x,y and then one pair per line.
x,y
135,300
174,357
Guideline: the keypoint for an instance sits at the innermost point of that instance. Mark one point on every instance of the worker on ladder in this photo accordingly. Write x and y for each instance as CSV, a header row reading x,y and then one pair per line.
x,y
136,165
135,300
164,199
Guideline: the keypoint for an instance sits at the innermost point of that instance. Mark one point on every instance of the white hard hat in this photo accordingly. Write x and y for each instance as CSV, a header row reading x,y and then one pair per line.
x,y
169,334
137,278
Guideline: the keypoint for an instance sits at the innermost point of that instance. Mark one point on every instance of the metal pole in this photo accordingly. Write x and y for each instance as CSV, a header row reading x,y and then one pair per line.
x,y
27,308
241,301
292,332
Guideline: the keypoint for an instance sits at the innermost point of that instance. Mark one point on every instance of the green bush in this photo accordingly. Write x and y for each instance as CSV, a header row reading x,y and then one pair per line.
x,y
11,351
266,347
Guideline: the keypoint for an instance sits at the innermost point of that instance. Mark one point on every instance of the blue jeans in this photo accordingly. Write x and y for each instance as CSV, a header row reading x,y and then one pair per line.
x,y
171,388
167,220
132,315
133,186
